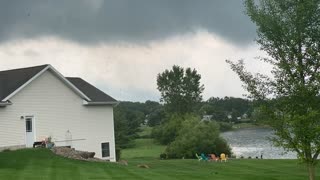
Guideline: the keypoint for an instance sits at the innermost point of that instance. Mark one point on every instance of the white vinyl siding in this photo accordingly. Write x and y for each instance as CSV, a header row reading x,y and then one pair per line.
x,y
58,111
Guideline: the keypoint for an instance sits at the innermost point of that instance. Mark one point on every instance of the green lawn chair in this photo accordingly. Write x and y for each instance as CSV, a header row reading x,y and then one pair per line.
x,y
199,158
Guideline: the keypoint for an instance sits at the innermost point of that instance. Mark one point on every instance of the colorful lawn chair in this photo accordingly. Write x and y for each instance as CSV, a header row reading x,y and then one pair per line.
x,y
204,157
199,158
214,157
223,157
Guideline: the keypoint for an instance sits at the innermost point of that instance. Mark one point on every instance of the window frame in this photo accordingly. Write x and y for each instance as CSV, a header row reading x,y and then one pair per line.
x,y
29,124
105,149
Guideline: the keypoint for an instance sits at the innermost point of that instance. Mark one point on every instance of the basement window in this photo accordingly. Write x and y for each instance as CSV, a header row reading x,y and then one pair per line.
x,y
105,147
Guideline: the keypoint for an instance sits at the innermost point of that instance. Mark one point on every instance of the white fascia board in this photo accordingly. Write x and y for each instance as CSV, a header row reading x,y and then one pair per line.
x,y
113,103
60,76
2,104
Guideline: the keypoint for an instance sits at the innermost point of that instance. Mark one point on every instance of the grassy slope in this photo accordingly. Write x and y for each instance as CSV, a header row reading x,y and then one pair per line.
x,y
42,164
146,151
145,148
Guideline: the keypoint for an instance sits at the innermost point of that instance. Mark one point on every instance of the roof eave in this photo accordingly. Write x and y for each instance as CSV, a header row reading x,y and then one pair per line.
x,y
6,103
113,103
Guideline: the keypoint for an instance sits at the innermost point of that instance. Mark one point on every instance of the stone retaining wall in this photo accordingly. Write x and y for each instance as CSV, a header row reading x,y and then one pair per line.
x,y
74,154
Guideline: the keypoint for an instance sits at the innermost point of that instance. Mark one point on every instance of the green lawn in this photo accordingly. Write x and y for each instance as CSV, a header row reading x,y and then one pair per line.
x,y
145,131
145,148
42,164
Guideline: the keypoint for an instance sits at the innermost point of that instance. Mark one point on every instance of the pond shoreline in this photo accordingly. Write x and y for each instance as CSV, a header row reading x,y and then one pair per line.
x,y
241,126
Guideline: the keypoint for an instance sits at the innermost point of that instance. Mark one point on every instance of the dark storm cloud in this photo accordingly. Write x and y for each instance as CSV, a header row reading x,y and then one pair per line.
x,y
94,21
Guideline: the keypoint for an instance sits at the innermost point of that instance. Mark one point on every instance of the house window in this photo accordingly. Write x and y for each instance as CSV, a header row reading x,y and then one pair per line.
x,y
105,149
28,125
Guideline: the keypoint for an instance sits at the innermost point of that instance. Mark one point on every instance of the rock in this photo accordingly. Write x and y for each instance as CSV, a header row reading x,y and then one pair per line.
x,y
91,154
87,155
74,154
123,162
84,155
143,166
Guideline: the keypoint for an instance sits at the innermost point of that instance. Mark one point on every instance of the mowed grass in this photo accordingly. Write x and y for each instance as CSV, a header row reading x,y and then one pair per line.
x,y
41,164
148,152
144,148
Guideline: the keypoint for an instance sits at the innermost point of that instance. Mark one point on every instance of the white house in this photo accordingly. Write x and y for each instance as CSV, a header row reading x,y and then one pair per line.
x,y
39,102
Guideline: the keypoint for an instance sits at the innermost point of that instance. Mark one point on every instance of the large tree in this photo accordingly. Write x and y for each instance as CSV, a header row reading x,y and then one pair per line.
x,y
289,31
127,121
180,89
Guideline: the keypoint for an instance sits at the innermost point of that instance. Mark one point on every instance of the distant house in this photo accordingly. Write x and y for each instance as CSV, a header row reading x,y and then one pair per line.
x,y
245,116
207,117
38,102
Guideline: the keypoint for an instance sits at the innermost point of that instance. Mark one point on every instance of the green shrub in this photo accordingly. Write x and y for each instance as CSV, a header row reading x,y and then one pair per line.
x,y
168,131
196,136
163,156
118,153
7,150
224,126
145,136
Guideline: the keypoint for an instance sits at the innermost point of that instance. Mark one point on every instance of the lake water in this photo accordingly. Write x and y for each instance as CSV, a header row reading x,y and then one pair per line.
x,y
253,142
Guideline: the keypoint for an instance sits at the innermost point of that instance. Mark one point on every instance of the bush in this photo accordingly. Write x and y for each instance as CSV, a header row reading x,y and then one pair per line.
x,y
145,136
118,153
163,156
168,131
224,126
197,137
7,150
221,146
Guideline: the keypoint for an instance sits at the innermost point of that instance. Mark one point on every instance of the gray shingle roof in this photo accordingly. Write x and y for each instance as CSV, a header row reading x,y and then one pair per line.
x,y
11,80
89,90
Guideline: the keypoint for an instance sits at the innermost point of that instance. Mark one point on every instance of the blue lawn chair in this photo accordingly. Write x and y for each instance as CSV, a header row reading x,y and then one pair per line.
x,y
204,157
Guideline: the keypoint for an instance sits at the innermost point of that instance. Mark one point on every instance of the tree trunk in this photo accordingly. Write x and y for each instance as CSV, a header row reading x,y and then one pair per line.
x,y
311,170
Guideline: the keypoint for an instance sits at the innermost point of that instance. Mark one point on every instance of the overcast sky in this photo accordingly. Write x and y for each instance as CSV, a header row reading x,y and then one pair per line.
x,y
121,45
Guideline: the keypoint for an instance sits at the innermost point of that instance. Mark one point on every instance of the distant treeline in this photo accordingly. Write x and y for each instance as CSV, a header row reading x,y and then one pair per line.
x,y
227,109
